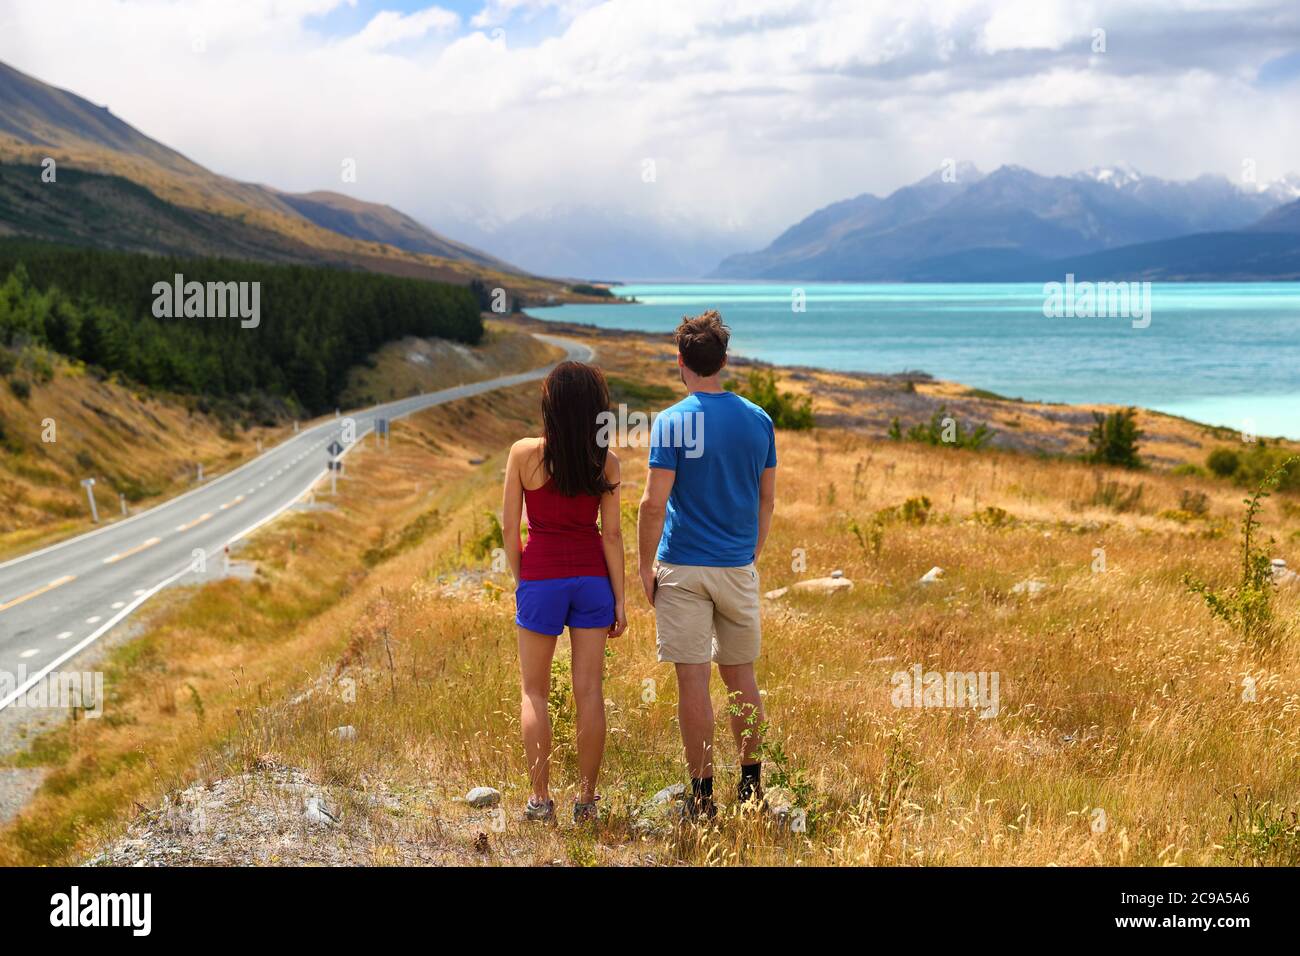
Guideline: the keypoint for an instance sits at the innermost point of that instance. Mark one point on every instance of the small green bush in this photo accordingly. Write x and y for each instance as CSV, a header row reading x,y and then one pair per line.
x,y
1247,607
941,429
1223,462
1114,439
786,409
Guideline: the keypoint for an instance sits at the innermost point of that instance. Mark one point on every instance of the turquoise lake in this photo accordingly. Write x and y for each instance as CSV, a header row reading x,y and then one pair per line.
x,y
1220,353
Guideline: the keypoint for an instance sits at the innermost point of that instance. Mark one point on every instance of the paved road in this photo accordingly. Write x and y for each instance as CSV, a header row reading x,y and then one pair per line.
x,y
57,601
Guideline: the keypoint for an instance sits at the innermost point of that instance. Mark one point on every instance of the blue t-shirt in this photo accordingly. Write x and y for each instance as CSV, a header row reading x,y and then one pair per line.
x,y
719,444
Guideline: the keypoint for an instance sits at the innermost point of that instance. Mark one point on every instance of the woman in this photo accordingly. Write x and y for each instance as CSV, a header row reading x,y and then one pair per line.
x,y
570,574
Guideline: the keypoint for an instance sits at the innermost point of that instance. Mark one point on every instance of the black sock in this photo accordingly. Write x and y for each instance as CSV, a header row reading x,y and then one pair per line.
x,y
751,777
702,788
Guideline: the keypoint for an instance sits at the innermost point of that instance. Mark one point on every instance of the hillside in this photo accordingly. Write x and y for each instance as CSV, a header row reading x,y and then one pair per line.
x,y
147,445
352,613
211,212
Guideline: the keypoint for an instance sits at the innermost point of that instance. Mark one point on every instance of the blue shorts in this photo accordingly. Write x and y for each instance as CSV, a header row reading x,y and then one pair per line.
x,y
548,606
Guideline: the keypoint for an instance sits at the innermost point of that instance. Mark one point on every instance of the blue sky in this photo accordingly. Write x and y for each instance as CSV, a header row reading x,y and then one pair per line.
x,y
748,114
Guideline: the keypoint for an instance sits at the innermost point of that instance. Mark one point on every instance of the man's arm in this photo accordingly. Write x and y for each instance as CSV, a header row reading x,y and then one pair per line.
x,y
650,525
766,504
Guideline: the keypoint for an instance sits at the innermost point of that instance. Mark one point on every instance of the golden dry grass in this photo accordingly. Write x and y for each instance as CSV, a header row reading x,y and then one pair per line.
x,y
1119,694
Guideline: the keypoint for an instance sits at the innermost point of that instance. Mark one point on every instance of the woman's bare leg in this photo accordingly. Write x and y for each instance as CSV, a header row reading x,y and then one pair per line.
x,y
535,653
588,671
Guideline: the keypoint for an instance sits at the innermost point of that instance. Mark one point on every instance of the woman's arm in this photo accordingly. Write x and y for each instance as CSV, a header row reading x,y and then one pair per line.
x,y
512,508
611,539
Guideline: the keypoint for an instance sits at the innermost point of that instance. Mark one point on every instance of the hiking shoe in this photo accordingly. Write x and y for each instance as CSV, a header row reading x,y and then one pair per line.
x,y
585,812
540,812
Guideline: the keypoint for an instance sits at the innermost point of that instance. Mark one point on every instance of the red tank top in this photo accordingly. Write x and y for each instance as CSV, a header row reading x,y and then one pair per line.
x,y
563,540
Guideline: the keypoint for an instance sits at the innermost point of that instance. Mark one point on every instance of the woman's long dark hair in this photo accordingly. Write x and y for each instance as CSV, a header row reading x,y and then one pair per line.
x,y
573,396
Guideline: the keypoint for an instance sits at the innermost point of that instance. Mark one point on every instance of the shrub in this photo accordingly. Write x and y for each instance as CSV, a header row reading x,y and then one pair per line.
x,y
1193,502
1223,462
1247,607
20,387
786,409
1116,496
1114,439
941,429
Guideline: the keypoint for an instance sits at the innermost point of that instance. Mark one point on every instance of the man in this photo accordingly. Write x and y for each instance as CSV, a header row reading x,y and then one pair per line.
x,y
702,523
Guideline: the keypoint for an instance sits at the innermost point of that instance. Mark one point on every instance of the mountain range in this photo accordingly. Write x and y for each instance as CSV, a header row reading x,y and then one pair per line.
x,y
119,188
1012,224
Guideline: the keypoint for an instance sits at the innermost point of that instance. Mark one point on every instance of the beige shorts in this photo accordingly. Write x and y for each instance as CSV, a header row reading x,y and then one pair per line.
x,y
706,613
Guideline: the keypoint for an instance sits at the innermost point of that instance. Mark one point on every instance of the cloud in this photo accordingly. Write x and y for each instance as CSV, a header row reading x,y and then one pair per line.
x,y
753,114
388,27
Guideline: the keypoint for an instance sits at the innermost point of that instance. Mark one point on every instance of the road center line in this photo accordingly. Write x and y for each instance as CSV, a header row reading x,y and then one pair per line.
x,y
199,520
27,597
130,551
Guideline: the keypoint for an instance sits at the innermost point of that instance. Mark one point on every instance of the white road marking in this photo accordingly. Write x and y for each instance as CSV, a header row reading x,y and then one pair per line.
x,y
64,636
31,653
118,604
93,620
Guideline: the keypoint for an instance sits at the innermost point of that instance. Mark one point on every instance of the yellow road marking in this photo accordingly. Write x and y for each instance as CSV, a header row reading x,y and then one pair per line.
x,y
130,551
27,597
230,504
199,520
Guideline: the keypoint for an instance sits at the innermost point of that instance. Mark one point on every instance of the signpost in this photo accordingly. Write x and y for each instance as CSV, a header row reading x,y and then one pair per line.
x,y
88,484
335,466
381,430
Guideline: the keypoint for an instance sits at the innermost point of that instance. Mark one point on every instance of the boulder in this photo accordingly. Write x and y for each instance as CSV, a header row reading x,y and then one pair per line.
x,y
676,791
933,576
831,585
1282,575
483,797
316,812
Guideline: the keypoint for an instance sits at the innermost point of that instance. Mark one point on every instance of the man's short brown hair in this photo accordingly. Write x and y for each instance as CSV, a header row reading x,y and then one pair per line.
x,y
702,342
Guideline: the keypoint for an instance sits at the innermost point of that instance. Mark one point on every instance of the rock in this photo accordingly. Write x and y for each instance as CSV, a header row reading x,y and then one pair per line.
x,y
831,585
933,576
778,593
344,733
1282,574
318,813
676,791
1030,587
483,797
837,573
780,804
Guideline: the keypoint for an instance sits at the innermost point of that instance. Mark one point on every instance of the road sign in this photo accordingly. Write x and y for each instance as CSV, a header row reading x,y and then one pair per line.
x,y
88,484
336,465
335,449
